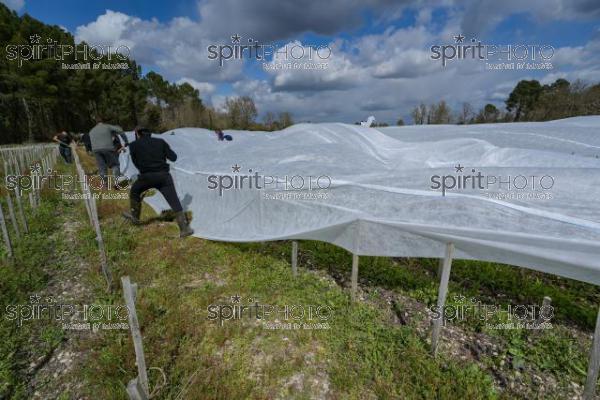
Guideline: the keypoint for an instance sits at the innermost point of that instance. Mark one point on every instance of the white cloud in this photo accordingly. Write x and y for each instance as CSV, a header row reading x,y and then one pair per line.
x,y
108,28
384,74
410,63
177,48
394,73
334,70
205,88
423,16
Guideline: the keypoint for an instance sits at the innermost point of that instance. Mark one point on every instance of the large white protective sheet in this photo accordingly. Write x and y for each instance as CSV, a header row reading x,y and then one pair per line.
x,y
539,206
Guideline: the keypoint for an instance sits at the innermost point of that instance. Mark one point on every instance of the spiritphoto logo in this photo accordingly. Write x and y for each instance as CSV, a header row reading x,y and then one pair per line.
x,y
38,179
500,187
254,180
72,316
289,56
496,316
273,317
507,57
87,56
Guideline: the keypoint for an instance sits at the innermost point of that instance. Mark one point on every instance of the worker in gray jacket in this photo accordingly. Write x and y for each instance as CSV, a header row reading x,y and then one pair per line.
x,y
102,138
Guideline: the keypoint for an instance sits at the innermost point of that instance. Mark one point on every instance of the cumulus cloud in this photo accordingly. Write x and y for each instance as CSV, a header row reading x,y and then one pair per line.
x,y
408,64
327,69
108,28
579,62
270,20
396,53
385,73
384,92
205,88
394,73
177,48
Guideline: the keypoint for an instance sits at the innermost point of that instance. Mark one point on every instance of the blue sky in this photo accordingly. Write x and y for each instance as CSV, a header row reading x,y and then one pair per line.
x,y
380,61
73,13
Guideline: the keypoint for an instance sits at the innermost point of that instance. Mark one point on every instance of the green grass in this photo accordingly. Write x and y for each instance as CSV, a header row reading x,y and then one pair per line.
x,y
362,356
26,274
574,302
553,350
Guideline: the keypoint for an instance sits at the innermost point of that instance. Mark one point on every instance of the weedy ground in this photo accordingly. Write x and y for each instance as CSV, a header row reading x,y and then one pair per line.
x,y
375,347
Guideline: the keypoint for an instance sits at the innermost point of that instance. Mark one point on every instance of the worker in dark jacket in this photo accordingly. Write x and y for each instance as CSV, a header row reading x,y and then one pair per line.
x,y
87,142
150,156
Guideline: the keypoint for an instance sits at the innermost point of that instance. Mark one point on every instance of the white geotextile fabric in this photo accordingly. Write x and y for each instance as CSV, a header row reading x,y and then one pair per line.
x,y
381,202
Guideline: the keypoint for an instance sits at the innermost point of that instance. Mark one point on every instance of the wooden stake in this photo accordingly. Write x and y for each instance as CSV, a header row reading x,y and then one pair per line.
x,y
99,238
354,277
594,366
11,213
546,304
38,192
5,234
135,390
294,257
136,335
443,291
20,210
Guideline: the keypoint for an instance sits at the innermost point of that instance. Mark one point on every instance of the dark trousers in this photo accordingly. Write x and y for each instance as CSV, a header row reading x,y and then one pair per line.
x,y
65,152
107,159
163,182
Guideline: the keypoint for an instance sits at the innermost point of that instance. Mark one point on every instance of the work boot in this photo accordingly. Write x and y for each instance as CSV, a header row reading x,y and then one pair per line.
x,y
134,213
184,227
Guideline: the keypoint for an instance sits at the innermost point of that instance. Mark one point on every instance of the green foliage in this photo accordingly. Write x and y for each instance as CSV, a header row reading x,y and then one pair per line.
x,y
241,112
25,275
523,97
39,97
528,101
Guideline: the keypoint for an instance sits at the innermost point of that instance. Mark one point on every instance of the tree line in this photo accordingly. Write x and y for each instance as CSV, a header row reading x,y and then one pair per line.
x,y
528,101
39,98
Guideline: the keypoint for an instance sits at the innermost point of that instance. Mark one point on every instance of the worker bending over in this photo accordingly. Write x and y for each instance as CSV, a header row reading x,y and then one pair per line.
x,y
150,155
